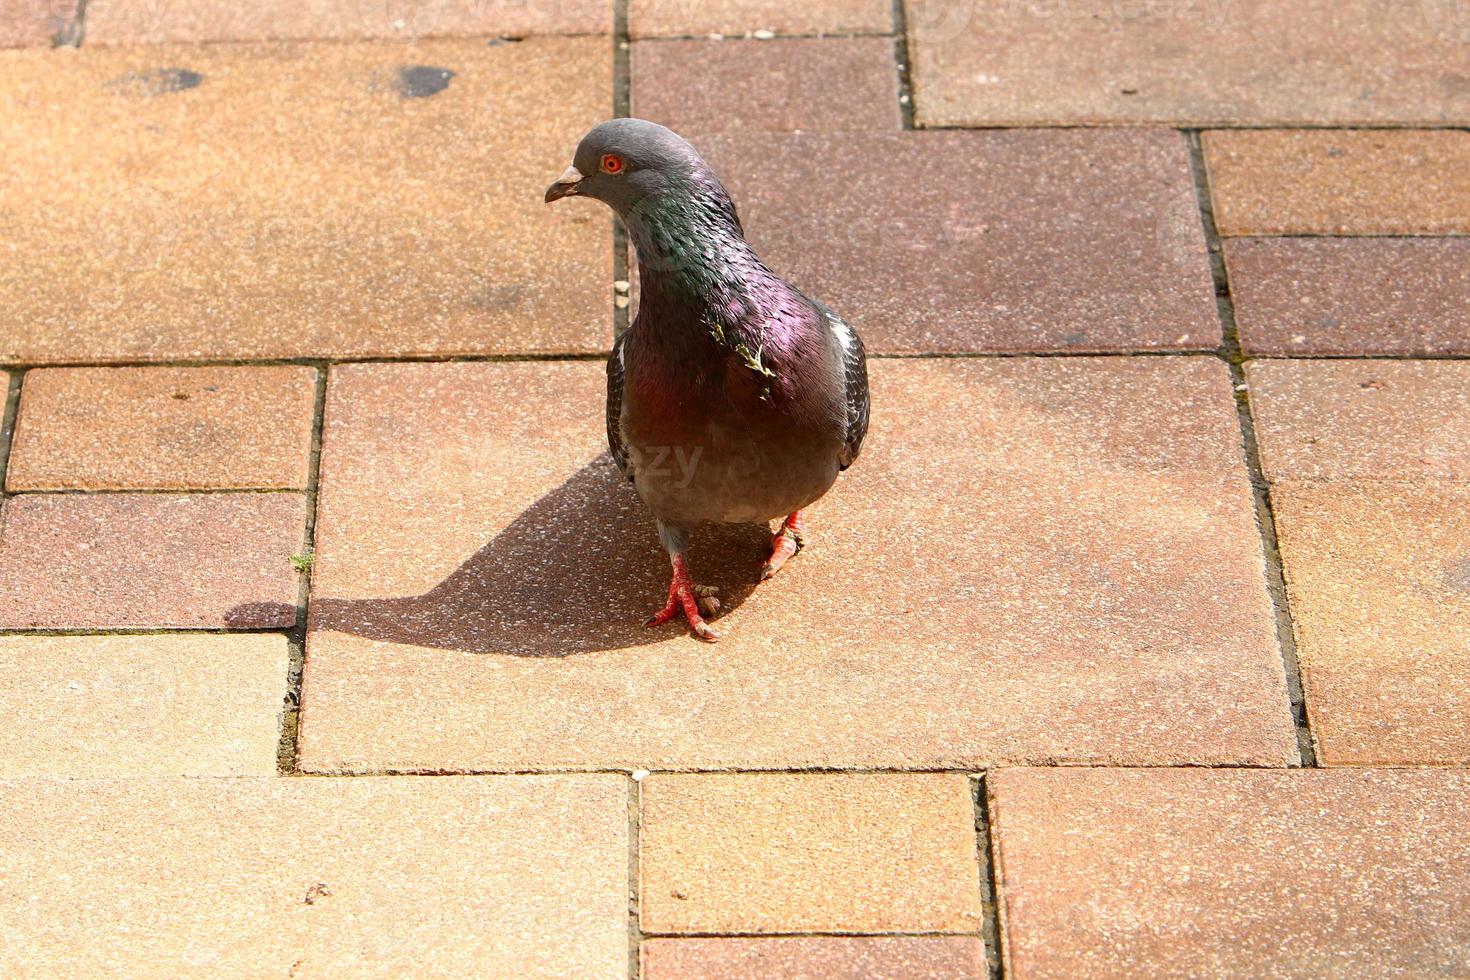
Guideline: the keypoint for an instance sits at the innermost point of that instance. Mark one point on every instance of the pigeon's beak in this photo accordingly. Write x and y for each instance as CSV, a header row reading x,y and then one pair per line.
x,y
564,186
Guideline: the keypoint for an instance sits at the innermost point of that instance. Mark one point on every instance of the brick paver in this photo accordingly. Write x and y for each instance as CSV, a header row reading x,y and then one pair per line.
x,y
1192,63
142,560
238,201
1374,420
36,23
1379,581
152,21
1069,568
792,83
517,877
1001,240
675,18
828,957
102,706
806,852
164,428
1352,295
1321,182
1196,872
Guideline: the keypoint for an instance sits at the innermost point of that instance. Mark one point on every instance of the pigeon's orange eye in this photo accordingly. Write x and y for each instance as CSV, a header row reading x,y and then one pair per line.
x,y
612,163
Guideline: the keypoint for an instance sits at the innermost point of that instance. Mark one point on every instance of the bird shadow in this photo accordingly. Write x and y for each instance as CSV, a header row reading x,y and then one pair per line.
x,y
578,571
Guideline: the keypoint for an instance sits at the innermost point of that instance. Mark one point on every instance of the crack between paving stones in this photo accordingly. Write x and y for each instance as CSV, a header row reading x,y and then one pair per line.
x,y
1260,488
635,843
286,764
985,850
7,433
903,59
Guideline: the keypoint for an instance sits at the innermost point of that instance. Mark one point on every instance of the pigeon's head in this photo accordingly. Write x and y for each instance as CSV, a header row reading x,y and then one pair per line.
x,y
623,162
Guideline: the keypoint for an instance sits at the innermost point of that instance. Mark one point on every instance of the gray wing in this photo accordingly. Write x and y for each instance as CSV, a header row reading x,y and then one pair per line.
x,y
855,367
615,408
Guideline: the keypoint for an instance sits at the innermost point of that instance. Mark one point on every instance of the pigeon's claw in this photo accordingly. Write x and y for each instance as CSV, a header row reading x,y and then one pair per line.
x,y
687,598
786,542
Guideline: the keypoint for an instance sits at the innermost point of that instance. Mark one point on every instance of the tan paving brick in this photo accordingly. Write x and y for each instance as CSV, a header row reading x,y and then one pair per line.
x,y
1068,569
1190,872
152,21
1191,63
241,201
1351,296
143,560
807,852
439,876
1323,182
1379,581
1375,420
674,18
36,23
99,706
789,84
1060,240
830,957
164,428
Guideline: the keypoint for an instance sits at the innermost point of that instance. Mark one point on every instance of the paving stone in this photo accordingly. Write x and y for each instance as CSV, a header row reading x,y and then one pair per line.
x,y
143,560
151,22
1001,240
1375,420
1351,295
160,705
832,957
1379,582
251,201
1069,569
1193,63
429,876
676,18
36,23
790,84
1191,872
164,429
807,852
1321,182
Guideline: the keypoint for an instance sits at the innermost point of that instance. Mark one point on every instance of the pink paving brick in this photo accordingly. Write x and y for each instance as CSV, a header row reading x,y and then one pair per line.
x,y
1378,576
1190,872
1068,569
1001,240
164,429
241,201
1376,420
1190,62
1340,182
1351,295
822,84
827,957
142,560
37,23
676,18
154,21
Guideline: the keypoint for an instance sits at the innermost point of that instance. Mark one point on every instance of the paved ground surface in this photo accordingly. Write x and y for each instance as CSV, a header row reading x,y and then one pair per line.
x,y
1137,643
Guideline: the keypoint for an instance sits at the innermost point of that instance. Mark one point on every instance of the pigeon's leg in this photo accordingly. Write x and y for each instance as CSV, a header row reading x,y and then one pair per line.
x,y
786,543
684,596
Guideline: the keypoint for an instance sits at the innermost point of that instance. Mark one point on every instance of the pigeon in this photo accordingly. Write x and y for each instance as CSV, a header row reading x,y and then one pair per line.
x,y
732,397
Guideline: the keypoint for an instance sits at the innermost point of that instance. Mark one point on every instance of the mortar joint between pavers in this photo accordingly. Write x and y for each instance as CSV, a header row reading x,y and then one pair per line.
x,y
635,833
296,636
989,889
1260,489
8,419
903,55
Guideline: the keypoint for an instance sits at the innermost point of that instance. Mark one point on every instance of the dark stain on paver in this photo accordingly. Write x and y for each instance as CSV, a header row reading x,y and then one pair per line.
x,y
499,296
422,81
159,81
1457,574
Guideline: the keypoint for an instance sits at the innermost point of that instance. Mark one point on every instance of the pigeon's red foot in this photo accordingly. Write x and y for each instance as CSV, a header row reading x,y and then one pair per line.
x,y
786,542
687,598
